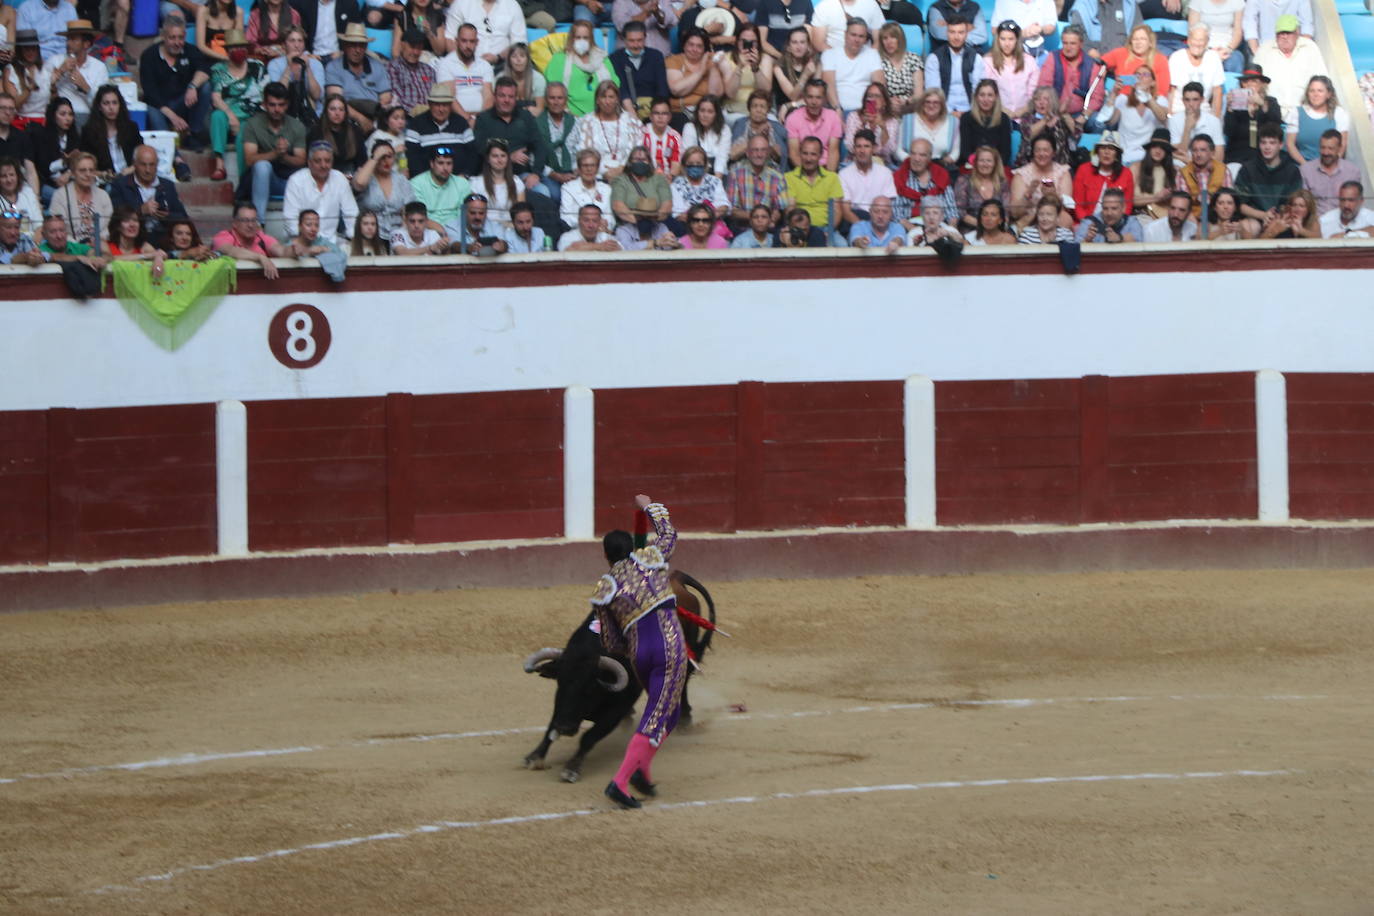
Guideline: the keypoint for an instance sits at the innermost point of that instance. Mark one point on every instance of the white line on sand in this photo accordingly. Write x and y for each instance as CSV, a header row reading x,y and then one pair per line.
x,y
446,826
182,760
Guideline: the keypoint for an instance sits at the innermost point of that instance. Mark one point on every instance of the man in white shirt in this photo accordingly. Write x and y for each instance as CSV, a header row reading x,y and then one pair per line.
x,y
76,75
499,24
1193,119
1290,60
523,236
1178,225
831,19
1037,18
1351,218
469,75
849,70
588,236
320,188
864,180
1196,63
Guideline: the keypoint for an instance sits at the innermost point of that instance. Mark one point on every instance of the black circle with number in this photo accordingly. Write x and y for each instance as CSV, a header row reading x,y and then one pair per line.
x,y
299,336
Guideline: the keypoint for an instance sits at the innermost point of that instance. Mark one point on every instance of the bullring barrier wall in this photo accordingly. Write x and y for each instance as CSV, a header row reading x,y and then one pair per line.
x,y
472,402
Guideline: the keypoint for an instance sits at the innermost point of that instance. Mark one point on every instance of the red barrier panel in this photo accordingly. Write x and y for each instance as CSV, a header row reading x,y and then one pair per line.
x,y
1181,446
832,454
131,482
676,444
316,473
486,465
1096,449
1331,445
1008,451
23,486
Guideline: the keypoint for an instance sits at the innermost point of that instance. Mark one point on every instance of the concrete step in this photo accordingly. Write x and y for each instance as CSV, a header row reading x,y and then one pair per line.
x,y
210,194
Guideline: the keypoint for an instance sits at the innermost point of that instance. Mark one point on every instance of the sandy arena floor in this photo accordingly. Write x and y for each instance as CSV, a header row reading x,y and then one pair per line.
x,y
1137,743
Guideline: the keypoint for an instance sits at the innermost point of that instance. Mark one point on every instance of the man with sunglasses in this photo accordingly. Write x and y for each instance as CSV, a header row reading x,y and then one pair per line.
x,y
439,189
475,234
15,246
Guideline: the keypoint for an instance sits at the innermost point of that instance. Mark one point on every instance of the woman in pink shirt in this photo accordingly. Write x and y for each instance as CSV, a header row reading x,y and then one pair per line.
x,y
1014,71
701,226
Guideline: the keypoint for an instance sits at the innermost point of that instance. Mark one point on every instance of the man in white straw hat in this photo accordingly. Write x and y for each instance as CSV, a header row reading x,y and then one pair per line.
x,y
76,76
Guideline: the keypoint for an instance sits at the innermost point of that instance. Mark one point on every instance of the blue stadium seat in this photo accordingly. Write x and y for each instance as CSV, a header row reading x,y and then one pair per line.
x,y
1351,7
1015,145
533,35
1052,42
380,43
1359,37
1088,141
915,39
1169,26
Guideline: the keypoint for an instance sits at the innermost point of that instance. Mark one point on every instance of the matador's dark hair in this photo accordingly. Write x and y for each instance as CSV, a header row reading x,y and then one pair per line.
x,y
618,544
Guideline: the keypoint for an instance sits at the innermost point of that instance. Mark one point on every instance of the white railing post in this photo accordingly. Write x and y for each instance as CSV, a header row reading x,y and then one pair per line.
x,y
918,416
579,463
1271,444
231,476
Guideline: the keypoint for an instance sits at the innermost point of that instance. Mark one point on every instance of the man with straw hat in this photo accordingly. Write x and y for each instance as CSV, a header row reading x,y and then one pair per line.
x,y
363,83
77,76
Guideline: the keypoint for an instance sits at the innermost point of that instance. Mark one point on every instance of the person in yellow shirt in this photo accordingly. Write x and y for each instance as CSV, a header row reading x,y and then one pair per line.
x,y
813,188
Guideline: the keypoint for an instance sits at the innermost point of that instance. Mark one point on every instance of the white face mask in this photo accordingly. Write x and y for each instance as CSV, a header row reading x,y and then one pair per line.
x,y
581,46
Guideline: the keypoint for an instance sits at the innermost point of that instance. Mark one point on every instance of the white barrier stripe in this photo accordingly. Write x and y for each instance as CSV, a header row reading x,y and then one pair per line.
x,y
195,759
447,826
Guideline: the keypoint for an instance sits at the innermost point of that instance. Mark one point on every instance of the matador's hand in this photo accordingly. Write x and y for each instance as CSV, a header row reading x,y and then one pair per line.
x,y
642,501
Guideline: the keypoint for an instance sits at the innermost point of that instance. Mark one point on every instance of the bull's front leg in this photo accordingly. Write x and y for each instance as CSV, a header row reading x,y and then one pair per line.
x,y
534,760
572,770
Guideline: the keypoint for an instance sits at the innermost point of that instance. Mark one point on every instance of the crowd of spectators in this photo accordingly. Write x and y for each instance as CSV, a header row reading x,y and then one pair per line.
x,y
745,124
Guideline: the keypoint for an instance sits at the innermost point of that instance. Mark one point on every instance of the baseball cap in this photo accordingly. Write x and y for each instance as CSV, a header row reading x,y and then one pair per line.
x,y
1286,23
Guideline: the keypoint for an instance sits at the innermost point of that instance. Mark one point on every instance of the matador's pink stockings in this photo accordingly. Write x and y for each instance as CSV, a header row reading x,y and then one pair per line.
x,y
638,756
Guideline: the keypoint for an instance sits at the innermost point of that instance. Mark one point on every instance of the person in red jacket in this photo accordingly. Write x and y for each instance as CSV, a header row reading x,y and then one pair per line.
x,y
1106,171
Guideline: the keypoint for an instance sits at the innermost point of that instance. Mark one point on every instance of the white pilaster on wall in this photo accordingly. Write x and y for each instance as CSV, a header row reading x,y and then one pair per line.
x,y
1271,441
579,463
918,409
231,474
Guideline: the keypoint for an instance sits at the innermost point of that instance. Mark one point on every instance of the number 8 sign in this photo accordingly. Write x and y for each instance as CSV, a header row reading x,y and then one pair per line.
x,y
299,336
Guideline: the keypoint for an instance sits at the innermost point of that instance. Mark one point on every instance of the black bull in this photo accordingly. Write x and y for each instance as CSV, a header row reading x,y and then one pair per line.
x,y
601,688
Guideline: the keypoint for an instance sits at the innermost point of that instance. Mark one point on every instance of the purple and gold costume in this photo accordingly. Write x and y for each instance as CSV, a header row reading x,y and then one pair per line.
x,y
635,606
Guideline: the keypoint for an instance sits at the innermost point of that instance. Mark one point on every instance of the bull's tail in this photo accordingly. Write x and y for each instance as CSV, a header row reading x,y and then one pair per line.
x,y
704,641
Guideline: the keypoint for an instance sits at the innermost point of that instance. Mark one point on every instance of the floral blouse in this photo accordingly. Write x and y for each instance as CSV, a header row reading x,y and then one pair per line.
x,y
244,95
901,77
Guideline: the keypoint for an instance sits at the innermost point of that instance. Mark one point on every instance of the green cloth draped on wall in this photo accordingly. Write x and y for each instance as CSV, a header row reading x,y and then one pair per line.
x,y
172,308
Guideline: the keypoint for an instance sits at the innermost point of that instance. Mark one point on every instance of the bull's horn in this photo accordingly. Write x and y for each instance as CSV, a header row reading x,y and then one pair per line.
x,y
616,670
543,655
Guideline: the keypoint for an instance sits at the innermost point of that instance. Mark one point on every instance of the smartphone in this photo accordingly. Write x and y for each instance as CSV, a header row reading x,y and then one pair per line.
x,y
870,107
1239,99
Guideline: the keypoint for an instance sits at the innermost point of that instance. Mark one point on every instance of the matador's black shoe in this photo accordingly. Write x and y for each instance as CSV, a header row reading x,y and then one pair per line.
x,y
620,798
642,785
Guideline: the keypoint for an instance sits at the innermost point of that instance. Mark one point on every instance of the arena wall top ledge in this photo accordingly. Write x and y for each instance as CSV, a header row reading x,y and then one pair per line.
x,y
449,422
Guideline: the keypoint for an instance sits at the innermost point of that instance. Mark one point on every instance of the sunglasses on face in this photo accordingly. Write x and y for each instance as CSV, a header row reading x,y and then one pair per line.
x,y
700,219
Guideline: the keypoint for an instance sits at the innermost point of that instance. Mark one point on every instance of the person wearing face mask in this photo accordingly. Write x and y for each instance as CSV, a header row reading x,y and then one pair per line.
x,y
656,17
642,71
236,95
581,67
640,193
696,185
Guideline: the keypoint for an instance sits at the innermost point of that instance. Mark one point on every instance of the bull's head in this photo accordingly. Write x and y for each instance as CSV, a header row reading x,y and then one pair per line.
x,y
577,684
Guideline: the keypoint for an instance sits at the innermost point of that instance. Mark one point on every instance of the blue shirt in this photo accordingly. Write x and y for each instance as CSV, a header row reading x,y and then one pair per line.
x,y
875,240
47,23
23,245
746,239
516,245
371,85
1130,227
